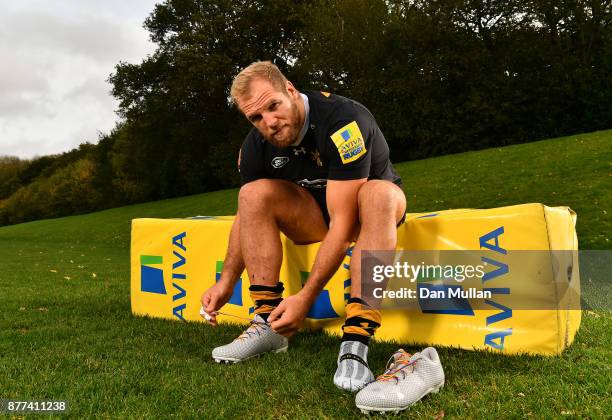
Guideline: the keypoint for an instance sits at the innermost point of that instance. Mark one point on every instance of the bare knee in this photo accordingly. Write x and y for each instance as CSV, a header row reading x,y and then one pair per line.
x,y
256,194
380,201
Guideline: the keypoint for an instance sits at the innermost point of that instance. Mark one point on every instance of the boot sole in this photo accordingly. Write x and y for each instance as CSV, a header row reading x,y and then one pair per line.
x,y
366,410
233,360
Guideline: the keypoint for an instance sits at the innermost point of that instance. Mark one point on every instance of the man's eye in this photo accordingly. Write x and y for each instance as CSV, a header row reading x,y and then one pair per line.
x,y
273,106
255,118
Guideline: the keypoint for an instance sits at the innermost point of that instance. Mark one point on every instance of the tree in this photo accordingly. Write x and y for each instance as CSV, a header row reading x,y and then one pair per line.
x,y
179,124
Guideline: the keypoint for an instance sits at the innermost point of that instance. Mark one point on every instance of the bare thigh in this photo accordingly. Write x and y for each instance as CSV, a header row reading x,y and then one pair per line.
x,y
294,209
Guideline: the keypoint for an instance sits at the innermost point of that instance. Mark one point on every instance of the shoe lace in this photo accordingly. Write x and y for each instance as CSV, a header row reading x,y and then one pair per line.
x,y
401,362
256,328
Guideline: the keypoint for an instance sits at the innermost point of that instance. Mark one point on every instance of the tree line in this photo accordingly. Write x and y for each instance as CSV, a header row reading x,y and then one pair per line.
x,y
440,77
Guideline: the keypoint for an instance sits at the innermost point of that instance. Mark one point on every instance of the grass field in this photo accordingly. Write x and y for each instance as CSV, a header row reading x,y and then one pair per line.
x,y
66,331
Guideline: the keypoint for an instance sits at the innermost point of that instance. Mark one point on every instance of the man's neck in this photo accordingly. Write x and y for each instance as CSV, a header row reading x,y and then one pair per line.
x,y
304,111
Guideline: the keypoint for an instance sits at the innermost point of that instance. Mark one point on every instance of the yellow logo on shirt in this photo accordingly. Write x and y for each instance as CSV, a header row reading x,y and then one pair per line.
x,y
349,142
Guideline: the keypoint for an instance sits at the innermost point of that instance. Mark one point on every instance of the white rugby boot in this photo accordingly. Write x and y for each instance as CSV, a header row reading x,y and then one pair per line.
x,y
353,372
258,339
406,380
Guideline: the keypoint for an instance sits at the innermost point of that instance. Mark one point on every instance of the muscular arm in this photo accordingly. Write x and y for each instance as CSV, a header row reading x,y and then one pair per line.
x,y
344,215
217,295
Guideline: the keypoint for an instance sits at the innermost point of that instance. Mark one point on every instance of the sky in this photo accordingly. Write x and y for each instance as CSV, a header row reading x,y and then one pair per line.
x,y
55,59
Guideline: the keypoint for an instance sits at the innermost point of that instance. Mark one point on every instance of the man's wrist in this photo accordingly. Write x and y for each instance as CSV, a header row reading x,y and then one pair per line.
x,y
308,295
226,281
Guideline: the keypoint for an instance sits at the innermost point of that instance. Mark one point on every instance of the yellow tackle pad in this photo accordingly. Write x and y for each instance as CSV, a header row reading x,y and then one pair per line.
x,y
173,261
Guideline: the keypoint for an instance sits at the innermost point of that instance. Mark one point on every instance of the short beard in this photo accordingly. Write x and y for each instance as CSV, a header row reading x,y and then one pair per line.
x,y
285,142
294,131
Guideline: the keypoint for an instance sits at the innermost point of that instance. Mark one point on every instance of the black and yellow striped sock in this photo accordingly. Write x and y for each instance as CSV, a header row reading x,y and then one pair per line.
x,y
361,321
266,298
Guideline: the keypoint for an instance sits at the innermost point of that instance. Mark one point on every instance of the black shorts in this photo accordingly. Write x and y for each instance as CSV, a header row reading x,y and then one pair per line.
x,y
319,195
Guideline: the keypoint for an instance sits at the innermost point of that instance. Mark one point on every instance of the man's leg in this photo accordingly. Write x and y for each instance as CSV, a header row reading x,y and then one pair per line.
x,y
266,208
382,206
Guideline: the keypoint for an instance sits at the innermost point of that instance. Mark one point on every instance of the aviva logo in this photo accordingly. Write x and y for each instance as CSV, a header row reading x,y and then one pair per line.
x,y
152,278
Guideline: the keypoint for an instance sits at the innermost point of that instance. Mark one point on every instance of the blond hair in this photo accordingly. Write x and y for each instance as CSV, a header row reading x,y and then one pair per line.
x,y
265,70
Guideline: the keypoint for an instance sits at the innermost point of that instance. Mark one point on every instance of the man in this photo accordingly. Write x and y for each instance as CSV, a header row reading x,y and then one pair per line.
x,y
315,167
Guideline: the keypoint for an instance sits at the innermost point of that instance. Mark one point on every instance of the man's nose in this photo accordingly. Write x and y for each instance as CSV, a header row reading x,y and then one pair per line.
x,y
269,119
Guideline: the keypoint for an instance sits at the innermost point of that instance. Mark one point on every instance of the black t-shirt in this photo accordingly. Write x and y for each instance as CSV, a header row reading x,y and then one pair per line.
x,y
343,142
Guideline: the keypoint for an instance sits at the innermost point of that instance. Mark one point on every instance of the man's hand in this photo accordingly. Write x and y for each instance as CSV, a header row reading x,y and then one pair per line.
x,y
288,317
214,298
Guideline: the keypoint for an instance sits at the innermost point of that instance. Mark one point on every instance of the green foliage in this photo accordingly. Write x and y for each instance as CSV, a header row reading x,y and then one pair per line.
x,y
11,168
180,135
69,190
440,77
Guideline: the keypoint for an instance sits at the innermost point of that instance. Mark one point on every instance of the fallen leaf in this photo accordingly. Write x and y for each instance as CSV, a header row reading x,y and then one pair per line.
x,y
520,394
43,309
67,277
22,308
440,415
53,271
94,275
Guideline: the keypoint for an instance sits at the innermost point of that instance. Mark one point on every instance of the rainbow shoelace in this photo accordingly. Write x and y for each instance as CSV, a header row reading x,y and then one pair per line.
x,y
256,328
399,363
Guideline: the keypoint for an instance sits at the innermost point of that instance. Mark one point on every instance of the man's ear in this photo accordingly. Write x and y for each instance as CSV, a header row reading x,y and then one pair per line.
x,y
291,90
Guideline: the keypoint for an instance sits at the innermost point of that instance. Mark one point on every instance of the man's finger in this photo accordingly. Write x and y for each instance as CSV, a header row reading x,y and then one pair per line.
x,y
280,324
276,313
212,305
209,315
278,327
275,324
284,329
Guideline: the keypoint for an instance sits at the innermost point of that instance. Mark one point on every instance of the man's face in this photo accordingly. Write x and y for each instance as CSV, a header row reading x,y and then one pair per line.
x,y
275,114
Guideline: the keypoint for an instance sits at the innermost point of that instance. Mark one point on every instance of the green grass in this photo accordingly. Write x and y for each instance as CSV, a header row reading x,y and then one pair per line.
x,y
66,331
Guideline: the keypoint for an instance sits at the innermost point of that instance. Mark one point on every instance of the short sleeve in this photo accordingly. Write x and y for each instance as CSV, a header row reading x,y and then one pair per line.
x,y
250,160
349,143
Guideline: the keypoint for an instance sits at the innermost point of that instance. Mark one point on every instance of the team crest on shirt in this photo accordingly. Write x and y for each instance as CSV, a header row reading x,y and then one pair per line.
x,y
349,142
279,162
